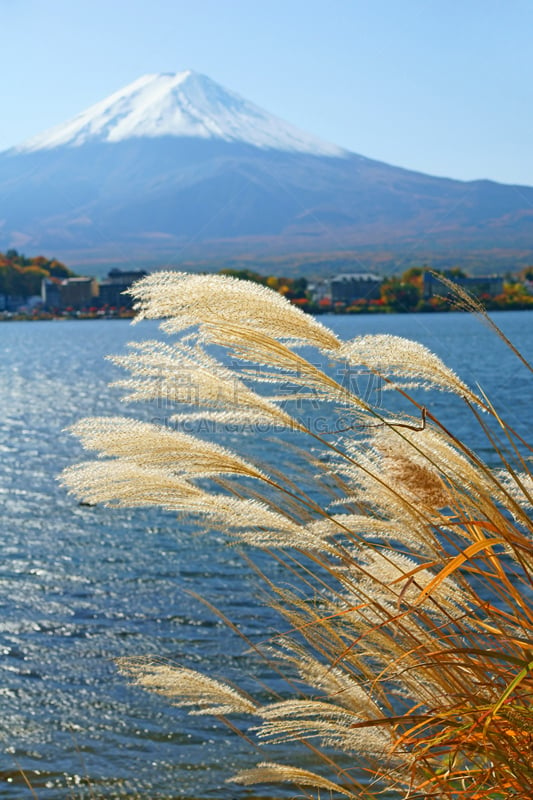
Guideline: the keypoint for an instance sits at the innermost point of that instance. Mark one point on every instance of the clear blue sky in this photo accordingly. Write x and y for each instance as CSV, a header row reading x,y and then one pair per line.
x,y
441,86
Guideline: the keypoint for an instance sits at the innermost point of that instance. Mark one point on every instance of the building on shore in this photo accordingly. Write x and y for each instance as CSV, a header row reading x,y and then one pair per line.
x,y
488,285
11,302
113,287
348,287
83,293
320,292
74,293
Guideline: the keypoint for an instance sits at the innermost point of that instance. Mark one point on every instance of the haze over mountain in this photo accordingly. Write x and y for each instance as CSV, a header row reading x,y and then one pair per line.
x,y
175,168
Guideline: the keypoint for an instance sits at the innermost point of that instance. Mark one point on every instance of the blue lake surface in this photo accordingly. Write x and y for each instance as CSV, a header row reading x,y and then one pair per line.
x,y
81,586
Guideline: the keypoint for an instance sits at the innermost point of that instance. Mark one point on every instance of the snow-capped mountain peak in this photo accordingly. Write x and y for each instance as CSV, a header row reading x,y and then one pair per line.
x,y
184,104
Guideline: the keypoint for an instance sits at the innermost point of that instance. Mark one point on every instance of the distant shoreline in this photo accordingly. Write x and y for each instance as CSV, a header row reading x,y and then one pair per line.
x,y
15,317
379,311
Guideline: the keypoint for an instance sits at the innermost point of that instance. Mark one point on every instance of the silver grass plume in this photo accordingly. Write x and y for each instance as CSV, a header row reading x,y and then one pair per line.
x,y
404,363
123,483
285,366
181,374
270,772
291,720
159,447
185,300
187,687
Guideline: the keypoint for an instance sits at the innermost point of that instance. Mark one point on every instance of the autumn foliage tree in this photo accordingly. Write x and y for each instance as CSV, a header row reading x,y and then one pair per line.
x,y
21,276
400,295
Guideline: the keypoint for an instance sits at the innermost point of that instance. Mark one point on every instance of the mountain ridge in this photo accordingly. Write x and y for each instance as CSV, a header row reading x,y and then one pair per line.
x,y
228,192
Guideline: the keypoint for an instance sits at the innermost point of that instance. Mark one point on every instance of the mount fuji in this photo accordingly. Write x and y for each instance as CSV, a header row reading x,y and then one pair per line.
x,y
185,105
175,168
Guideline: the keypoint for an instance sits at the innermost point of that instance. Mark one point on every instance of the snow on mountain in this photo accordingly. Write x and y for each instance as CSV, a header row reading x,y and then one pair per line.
x,y
184,104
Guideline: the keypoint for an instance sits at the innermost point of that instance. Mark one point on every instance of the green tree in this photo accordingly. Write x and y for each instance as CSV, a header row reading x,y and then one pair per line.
x,y
244,275
400,296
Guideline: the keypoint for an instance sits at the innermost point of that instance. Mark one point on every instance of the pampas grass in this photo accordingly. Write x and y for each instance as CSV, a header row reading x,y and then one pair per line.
x,y
408,626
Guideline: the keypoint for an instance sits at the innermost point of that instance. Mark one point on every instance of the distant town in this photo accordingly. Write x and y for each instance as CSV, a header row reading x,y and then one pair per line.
x,y
41,288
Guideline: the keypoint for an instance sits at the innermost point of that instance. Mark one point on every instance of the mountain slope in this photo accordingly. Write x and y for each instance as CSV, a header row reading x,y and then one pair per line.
x,y
175,167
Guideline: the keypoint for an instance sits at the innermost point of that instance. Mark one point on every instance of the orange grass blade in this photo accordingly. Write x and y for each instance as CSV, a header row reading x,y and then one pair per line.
x,y
456,562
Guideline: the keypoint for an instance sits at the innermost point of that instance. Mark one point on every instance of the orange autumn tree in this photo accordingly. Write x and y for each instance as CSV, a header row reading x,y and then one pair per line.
x,y
22,276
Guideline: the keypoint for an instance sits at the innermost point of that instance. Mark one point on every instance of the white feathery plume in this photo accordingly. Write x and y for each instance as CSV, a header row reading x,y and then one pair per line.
x,y
181,374
519,487
123,483
186,300
333,732
187,687
394,576
302,538
270,772
338,684
150,445
363,526
301,709
290,720
257,347
406,363
245,420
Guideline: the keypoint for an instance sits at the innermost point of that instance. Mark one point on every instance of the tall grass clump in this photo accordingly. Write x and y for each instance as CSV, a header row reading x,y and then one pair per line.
x,y
407,559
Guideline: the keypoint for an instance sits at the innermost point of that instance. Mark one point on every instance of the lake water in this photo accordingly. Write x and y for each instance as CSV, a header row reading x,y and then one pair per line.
x,y
81,586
